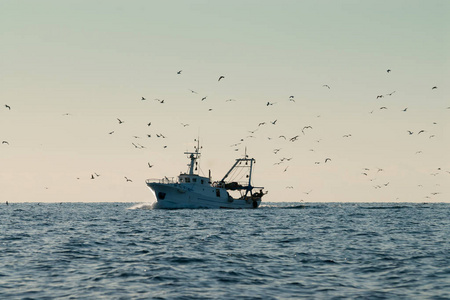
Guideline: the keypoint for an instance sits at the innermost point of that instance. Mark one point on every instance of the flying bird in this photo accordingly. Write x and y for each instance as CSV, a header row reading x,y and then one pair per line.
x,y
149,165
388,70
179,72
5,142
434,87
111,132
273,122
306,127
221,77
326,85
270,103
143,98
204,98
293,139
7,106
120,121
327,159
128,180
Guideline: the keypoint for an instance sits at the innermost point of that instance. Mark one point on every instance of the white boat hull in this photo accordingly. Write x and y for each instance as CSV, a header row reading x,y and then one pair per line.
x,y
175,196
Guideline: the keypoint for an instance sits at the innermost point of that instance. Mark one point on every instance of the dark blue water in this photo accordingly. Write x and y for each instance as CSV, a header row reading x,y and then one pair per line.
x,y
280,251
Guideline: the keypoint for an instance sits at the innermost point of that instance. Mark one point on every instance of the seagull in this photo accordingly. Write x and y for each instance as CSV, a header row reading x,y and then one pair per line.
x,y
390,94
7,106
204,98
143,98
193,92
383,107
149,124
120,121
92,176
111,132
327,159
262,123
410,132
128,179
388,70
380,96
306,127
293,139
184,125
273,122
149,165
421,131
5,142
270,103
405,109
179,72
326,85
221,77
434,87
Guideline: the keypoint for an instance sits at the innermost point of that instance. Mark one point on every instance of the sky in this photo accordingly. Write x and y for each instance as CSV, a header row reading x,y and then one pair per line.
x,y
70,69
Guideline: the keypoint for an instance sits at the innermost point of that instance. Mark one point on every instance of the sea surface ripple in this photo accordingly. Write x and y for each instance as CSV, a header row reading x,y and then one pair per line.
x,y
279,251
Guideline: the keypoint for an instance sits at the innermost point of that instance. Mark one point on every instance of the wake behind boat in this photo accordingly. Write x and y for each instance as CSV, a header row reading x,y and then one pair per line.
x,y
190,190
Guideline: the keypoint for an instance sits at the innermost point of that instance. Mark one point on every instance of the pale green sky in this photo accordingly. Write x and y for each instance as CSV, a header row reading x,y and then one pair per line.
x,y
96,59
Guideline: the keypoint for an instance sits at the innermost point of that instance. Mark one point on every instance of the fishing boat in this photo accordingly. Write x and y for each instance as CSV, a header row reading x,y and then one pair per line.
x,y
190,190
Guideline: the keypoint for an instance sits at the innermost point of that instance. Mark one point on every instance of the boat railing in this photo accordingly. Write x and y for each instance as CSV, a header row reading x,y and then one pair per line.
x,y
164,180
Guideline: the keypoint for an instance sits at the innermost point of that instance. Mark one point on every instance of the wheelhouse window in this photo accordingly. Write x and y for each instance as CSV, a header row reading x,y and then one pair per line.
x,y
217,192
187,179
194,179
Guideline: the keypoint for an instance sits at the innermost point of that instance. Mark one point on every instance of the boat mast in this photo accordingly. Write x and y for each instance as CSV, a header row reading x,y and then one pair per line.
x,y
194,156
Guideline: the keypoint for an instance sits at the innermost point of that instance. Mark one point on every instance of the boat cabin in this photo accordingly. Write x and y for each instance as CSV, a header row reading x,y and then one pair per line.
x,y
193,178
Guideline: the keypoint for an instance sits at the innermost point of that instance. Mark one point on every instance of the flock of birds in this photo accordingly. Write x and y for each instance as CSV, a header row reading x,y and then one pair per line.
x,y
284,161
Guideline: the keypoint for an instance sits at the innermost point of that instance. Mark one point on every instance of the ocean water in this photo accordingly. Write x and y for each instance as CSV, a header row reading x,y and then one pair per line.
x,y
279,251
